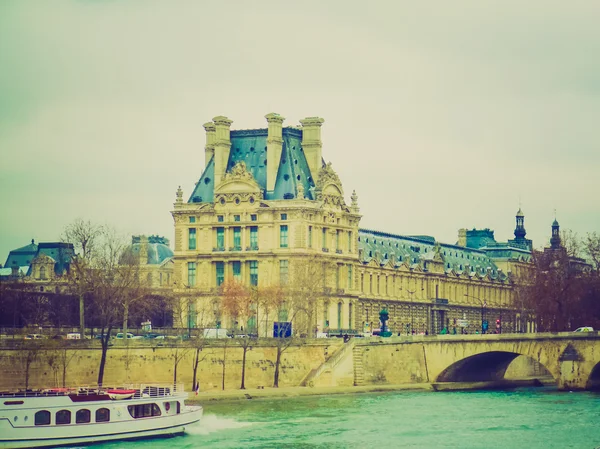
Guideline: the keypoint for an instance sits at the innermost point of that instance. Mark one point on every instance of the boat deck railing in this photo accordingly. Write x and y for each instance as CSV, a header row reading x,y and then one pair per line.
x,y
151,390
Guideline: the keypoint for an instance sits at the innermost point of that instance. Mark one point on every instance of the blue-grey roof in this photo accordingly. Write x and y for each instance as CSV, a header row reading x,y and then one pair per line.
x,y
21,256
384,246
250,147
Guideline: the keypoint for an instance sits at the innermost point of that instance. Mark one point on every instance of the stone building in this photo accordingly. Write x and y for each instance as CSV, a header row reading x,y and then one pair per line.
x,y
267,203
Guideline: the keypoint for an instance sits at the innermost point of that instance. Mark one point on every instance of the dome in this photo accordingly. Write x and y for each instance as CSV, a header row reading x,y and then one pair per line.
x,y
555,223
157,248
520,213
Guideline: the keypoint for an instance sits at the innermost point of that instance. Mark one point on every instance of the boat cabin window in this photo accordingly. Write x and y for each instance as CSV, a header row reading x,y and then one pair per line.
x,y
178,407
102,415
144,410
82,416
42,418
63,417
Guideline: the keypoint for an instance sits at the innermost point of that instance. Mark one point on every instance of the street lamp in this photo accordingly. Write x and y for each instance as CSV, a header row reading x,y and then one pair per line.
x,y
483,306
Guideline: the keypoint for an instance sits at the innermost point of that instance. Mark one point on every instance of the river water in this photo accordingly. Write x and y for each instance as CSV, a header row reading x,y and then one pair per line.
x,y
523,418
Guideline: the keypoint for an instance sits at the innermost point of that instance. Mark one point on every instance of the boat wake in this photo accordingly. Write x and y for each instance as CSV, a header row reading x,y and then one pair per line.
x,y
213,423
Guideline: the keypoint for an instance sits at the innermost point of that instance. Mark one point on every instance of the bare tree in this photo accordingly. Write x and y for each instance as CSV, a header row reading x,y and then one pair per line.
x,y
85,237
239,303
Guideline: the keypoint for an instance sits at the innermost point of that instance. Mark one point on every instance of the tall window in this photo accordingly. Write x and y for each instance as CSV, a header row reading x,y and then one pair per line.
x,y
324,239
350,325
220,273
191,273
310,236
349,241
283,272
237,238
237,270
221,238
42,272
254,272
337,239
283,236
339,315
253,237
349,276
337,276
192,238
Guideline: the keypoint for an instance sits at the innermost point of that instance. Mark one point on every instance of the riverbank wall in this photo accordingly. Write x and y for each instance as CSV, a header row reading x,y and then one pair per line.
x,y
315,363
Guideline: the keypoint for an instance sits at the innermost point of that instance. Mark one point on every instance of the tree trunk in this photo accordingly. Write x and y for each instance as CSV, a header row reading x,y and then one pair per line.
x,y
104,342
81,316
277,363
175,367
125,319
243,386
195,367
224,359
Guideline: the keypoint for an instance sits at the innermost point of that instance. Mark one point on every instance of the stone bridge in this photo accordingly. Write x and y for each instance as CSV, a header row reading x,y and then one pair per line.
x,y
572,359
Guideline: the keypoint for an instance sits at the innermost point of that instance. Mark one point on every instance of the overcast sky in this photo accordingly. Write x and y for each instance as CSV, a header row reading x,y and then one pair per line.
x,y
441,115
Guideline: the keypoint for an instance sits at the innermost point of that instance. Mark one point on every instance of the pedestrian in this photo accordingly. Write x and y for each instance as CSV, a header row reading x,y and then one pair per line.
x,y
197,388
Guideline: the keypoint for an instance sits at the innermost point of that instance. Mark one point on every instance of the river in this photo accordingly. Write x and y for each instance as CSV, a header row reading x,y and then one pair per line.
x,y
522,418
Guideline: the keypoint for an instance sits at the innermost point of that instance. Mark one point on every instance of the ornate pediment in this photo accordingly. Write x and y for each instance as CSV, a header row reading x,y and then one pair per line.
x,y
238,180
328,188
43,259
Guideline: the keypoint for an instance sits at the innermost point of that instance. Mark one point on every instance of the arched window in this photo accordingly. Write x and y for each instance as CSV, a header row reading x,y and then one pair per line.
x,y
339,315
42,418
102,415
42,272
63,417
82,416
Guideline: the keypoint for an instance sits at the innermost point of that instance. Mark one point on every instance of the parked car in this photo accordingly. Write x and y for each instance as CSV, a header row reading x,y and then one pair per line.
x,y
584,329
153,336
130,336
34,337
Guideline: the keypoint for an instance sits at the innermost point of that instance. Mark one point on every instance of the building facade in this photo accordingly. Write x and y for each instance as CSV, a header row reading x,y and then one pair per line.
x,y
267,205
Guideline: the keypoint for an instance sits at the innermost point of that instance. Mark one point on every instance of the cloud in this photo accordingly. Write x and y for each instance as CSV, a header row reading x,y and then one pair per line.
x,y
441,116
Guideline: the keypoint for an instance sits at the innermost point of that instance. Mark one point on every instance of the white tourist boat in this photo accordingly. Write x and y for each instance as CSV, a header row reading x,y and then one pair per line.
x,y
82,415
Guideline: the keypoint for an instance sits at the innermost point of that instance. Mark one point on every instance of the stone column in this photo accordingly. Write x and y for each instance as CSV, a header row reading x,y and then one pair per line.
x,y
311,144
274,148
209,148
222,145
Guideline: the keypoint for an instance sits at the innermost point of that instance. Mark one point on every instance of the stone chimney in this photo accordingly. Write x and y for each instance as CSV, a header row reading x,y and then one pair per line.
x,y
222,145
209,148
462,237
312,145
274,148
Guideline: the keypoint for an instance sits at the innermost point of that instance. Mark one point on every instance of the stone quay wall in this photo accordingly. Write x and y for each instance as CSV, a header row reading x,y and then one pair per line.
x,y
140,361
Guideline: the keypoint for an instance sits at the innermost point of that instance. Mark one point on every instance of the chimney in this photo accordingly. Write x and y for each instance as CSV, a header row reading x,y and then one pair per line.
x,y
462,237
312,145
274,148
222,145
209,148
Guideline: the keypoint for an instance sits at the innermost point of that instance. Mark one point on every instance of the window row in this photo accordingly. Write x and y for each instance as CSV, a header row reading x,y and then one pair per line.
x,y
82,416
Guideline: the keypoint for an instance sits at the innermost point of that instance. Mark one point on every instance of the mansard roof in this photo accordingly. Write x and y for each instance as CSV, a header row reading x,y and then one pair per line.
x,y
250,147
418,250
60,252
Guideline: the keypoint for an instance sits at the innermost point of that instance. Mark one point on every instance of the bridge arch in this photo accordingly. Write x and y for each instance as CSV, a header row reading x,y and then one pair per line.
x,y
593,382
482,367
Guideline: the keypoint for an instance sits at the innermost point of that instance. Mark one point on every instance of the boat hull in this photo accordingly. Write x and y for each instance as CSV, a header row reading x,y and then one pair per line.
x,y
129,430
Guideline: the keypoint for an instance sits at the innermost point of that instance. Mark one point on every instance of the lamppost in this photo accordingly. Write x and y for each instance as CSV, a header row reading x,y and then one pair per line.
x,y
483,306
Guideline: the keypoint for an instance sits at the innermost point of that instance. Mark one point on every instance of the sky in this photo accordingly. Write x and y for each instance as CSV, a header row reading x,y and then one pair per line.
x,y
441,115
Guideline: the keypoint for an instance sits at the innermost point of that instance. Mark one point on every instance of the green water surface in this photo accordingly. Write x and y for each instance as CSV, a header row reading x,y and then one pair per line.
x,y
524,418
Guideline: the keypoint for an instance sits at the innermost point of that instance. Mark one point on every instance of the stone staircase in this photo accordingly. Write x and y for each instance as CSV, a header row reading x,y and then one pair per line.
x,y
359,371
328,364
